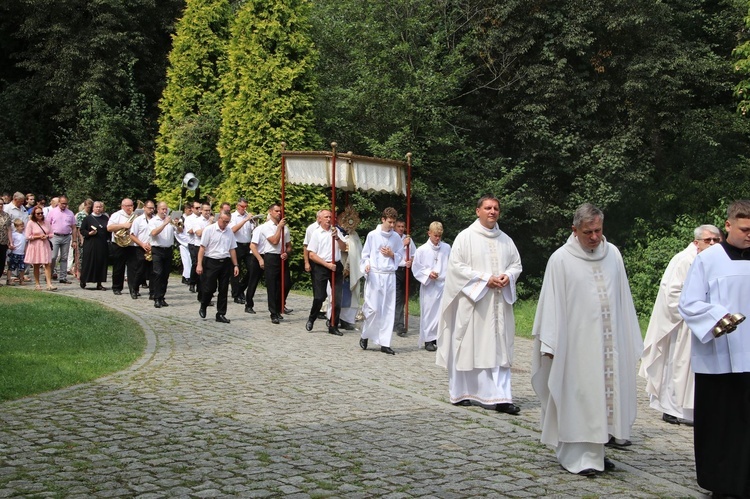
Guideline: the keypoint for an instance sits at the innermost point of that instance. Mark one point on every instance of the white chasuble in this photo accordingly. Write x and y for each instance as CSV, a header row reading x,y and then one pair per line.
x,y
586,319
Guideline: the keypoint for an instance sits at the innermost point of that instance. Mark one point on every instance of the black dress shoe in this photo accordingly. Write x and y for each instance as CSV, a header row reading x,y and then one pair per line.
x,y
363,343
185,281
221,318
249,310
274,319
431,346
309,325
115,292
134,295
588,472
387,350
608,465
99,287
64,281
321,315
347,326
401,332
239,300
202,312
463,403
288,310
157,304
163,303
613,442
280,317
83,285
335,331
192,288
668,418
511,409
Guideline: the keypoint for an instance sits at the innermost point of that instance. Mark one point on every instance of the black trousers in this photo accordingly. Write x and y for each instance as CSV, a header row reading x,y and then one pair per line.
x,y
721,436
272,264
398,318
162,266
141,269
254,273
321,276
3,254
194,277
122,258
216,274
244,255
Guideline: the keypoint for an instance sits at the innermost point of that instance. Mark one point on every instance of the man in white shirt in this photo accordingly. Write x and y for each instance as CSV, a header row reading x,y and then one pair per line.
x,y
142,265
718,286
272,246
242,226
183,239
122,256
161,240
324,250
217,263
195,229
16,210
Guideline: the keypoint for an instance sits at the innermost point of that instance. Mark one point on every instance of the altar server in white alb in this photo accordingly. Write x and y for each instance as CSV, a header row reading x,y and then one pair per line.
x,y
587,343
477,328
380,257
718,284
429,268
666,350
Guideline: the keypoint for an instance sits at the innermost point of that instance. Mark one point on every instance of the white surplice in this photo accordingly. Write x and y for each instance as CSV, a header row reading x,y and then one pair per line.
x,y
379,306
585,318
477,328
666,350
427,259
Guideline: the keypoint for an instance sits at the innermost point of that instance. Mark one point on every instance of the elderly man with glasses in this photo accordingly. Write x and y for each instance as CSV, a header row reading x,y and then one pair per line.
x,y
666,354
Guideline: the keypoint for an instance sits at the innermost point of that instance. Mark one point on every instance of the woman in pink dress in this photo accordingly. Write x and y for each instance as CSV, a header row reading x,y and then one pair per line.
x,y
38,250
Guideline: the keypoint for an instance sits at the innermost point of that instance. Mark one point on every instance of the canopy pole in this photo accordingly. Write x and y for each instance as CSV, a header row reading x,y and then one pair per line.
x,y
408,232
283,243
333,321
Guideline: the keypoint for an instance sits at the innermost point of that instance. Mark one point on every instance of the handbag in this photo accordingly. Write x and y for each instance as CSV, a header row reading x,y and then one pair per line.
x,y
45,233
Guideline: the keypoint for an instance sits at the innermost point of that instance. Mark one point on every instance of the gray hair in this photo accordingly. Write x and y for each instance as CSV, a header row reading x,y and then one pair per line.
x,y
698,232
739,209
19,195
585,213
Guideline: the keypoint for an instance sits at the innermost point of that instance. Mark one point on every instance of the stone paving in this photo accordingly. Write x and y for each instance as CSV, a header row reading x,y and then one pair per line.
x,y
252,409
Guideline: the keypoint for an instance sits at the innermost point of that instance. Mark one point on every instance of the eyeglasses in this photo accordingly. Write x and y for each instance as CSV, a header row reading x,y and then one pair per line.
x,y
708,240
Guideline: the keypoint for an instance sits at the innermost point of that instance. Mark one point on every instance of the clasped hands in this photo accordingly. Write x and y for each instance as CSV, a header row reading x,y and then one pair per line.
x,y
498,281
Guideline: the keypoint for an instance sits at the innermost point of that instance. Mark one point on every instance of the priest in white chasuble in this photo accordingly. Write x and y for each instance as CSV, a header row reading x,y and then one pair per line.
x,y
477,328
717,285
587,343
665,362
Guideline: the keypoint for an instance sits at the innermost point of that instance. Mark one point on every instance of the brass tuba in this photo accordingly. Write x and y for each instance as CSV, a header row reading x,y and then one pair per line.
x,y
122,236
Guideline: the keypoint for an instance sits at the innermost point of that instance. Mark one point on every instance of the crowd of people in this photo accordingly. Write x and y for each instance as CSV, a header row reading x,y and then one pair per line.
x,y
587,339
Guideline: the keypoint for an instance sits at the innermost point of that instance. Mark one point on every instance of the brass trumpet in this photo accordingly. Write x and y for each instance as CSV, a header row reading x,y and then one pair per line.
x,y
727,324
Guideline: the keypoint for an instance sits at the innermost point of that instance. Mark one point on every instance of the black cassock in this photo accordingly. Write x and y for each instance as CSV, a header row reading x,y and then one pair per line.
x,y
95,249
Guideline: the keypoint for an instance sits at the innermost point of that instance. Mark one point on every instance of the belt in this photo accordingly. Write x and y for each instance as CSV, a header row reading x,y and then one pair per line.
x,y
220,260
382,271
57,234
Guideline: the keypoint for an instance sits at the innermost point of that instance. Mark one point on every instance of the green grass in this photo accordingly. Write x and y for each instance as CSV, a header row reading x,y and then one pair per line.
x,y
50,341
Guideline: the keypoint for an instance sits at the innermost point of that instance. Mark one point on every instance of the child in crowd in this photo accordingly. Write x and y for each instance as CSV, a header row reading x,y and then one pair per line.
x,y
15,260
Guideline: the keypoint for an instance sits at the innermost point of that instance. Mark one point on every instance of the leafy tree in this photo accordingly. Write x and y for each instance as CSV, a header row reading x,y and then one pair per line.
x,y
191,104
269,87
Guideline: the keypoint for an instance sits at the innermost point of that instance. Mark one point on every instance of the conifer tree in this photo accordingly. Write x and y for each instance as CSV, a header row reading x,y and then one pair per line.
x,y
191,103
269,89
